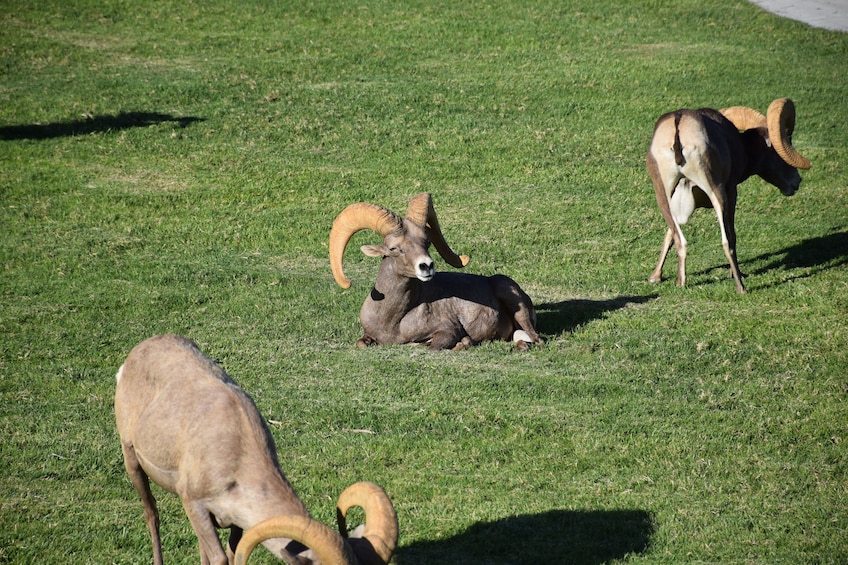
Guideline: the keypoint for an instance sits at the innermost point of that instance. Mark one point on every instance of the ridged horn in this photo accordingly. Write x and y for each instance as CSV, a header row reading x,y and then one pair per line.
x,y
328,546
781,124
379,539
744,118
354,218
421,212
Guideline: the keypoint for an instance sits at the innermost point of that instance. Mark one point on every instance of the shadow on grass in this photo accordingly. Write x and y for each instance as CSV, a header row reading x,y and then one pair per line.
x,y
95,124
584,537
816,254
563,316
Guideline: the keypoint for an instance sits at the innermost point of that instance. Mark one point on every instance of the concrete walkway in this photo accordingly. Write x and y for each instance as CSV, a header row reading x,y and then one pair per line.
x,y
827,14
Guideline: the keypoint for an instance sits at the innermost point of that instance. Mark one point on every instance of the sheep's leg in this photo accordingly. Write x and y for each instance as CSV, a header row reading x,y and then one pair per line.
x,y
680,246
464,343
142,486
211,552
525,319
365,341
725,212
656,276
665,183
730,226
449,339
518,305
232,542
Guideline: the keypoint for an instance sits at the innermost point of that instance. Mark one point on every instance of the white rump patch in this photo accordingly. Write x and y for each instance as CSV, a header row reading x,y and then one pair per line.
x,y
521,335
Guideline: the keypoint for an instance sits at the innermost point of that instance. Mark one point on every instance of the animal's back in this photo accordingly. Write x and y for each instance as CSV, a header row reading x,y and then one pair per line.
x,y
168,393
167,369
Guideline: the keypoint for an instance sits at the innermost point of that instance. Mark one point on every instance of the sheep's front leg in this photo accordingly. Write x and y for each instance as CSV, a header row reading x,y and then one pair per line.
x,y
232,542
211,552
449,339
366,341
464,343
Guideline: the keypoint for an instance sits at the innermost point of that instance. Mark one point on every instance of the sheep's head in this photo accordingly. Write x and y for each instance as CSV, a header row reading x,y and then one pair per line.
x,y
373,543
406,239
776,129
409,246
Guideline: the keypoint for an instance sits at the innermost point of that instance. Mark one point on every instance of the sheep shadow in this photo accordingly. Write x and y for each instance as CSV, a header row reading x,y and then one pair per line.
x,y
94,124
816,254
557,317
584,537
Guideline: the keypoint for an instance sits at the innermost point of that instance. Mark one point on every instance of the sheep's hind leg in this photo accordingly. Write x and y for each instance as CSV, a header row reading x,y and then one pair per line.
x,y
142,486
525,319
520,307
656,276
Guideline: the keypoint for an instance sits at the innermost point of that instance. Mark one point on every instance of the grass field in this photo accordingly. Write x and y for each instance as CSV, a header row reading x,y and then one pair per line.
x,y
176,166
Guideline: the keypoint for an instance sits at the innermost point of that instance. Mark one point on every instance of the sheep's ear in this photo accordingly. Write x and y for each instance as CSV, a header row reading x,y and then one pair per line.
x,y
373,250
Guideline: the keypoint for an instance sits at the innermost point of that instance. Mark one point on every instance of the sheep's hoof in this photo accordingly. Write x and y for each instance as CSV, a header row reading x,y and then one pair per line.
x,y
522,346
365,341
465,343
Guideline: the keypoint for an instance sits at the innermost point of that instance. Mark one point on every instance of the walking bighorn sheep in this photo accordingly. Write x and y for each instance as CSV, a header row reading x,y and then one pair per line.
x,y
411,302
698,157
185,424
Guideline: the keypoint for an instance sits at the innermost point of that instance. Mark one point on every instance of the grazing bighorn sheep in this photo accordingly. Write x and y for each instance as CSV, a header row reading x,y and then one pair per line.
x,y
185,424
698,157
411,302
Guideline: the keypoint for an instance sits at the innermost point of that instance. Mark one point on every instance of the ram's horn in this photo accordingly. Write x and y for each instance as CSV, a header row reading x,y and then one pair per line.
x,y
379,539
421,212
328,546
781,124
744,118
356,217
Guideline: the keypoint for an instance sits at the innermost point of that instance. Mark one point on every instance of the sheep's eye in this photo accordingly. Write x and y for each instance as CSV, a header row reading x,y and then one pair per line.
x,y
394,249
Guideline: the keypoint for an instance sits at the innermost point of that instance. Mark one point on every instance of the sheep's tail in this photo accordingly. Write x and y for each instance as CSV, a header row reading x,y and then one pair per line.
x,y
678,147
119,374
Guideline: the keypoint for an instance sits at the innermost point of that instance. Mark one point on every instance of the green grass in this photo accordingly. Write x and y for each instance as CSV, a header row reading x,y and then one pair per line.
x,y
176,166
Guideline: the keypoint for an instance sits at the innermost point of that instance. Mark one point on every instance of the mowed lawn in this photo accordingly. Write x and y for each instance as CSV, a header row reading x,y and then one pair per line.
x,y
176,167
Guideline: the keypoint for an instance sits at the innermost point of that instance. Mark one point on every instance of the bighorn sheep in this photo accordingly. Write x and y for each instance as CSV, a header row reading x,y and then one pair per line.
x,y
185,424
698,157
412,303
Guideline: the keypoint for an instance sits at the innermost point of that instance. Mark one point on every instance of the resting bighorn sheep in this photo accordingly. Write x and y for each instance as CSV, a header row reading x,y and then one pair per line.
x,y
186,425
411,302
698,157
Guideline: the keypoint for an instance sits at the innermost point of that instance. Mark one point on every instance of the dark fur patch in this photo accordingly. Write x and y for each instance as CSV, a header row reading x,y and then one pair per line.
x,y
677,147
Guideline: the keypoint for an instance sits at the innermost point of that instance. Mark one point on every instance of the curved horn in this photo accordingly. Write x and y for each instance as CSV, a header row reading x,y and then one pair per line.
x,y
781,124
352,219
328,546
381,526
744,118
421,212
